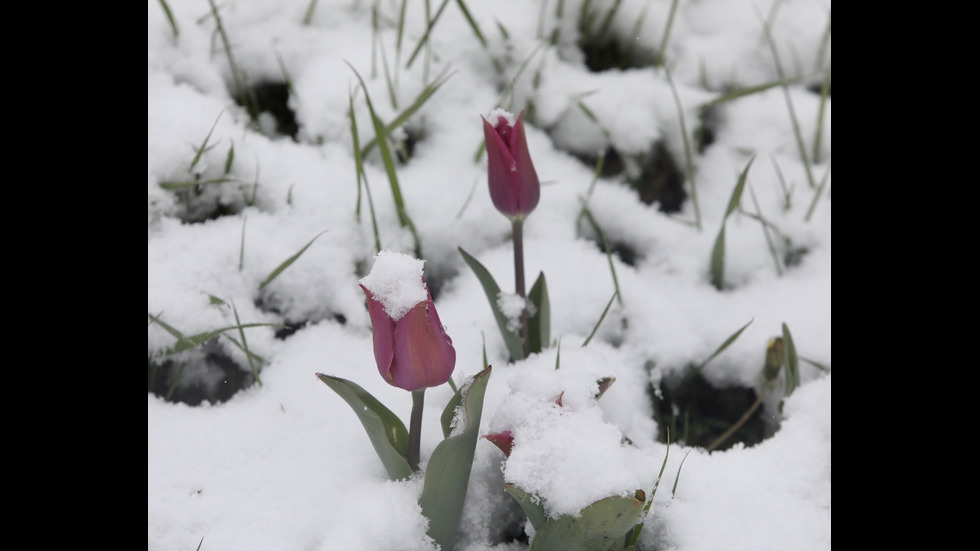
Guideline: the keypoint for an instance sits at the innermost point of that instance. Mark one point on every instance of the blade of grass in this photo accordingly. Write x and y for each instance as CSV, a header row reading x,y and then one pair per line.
x,y
688,156
673,491
185,343
241,247
185,185
792,362
659,60
765,231
425,36
789,105
724,345
818,133
240,79
248,354
204,145
748,91
170,17
288,262
634,533
361,175
816,196
717,263
382,139
605,247
402,117
787,190
308,18
602,317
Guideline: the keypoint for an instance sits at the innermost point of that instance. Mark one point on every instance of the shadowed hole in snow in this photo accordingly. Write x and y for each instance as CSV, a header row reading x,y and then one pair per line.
x,y
193,377
697,412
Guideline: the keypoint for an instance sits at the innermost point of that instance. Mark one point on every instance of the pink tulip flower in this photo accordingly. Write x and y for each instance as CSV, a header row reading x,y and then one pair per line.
x,y
413,352
514,185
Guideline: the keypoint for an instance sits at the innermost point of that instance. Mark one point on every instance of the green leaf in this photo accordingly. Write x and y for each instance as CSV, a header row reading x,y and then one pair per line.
x,y
386,431
449,413
791,360
447,474
539,325
724,345
490,287
185,343
718,251
286,263
531,505
598,528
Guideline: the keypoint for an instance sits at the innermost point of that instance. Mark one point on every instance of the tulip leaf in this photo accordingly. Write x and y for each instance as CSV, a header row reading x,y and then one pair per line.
x,y
530,503
447,474
386,431
539,325
449,414
513,341
601,526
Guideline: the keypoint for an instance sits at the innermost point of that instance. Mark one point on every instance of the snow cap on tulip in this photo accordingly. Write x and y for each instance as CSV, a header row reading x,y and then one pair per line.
x,y
411,347
514,185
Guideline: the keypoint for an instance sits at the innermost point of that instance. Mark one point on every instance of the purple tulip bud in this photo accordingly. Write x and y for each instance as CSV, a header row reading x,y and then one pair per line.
x,y
411,347
503,440
514,185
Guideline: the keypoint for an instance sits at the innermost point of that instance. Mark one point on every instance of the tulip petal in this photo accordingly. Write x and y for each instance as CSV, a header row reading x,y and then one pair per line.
x,y
530,187
424,355
384,338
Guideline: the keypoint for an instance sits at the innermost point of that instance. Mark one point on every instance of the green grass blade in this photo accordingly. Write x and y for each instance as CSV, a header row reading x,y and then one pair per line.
x,y
765,231
817,365
688,155
513,341
184,342
308,18
403,117
724,345
472,22
747,91
818,194
717,266
717,263
288,262
185,185
381,137
170,18
204,145
787,190
244,346
361,175
673,491
602,317
659,61
818,133
789,105
605,247
425,36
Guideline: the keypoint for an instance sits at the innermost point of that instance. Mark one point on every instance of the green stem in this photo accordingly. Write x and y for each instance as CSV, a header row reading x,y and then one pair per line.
x,y
519,278
415,429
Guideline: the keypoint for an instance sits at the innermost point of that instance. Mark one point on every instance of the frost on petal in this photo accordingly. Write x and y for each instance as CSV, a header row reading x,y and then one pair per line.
x,y
396,282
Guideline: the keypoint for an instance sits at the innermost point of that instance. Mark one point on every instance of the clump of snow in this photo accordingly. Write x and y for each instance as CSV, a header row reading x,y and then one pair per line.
x,y
496,114
396,281
512,306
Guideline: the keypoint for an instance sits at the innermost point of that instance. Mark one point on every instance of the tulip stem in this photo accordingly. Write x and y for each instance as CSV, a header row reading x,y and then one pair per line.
x,y
415,429
519,278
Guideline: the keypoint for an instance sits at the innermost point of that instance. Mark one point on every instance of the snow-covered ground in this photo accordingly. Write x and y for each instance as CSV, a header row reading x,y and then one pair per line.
x,y
286,464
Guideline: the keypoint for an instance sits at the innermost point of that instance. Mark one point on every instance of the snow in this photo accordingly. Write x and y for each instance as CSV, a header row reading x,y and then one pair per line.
x,y
396,282
286,465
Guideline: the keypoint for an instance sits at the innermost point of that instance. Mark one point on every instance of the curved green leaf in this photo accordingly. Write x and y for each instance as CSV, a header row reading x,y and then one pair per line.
x,y
598,528
539,325
792,361
447,474
386,431
286,263
513,341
